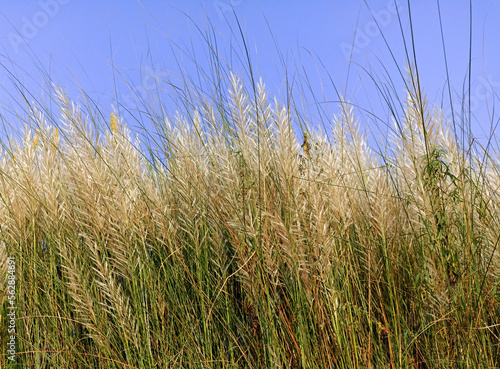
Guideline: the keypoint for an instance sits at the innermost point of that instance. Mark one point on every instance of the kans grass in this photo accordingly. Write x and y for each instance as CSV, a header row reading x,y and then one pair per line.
x,y
236,239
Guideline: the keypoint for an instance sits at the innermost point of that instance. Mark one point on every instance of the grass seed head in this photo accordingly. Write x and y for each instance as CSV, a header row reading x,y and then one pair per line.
x,y
113,123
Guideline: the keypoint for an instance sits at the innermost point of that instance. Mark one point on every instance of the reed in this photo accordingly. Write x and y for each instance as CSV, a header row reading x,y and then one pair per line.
x,y
235,240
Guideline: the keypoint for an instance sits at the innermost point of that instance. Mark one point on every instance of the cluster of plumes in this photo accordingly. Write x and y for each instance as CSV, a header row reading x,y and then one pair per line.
x,y
244,169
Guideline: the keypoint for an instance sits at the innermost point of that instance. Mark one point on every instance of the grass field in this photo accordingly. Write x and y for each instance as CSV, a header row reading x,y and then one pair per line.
x,y
237,240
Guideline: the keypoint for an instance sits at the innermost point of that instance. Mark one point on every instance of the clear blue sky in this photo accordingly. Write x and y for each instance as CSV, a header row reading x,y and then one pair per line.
x,y
97,45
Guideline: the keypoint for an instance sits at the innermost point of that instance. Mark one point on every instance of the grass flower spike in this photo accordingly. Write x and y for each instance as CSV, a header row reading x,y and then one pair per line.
x,y
114,128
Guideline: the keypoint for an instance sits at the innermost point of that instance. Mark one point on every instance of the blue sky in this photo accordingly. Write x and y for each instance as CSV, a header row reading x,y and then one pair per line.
x,y
116,50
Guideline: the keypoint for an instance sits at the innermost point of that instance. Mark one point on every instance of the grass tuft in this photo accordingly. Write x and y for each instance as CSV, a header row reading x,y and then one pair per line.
x,y
233,240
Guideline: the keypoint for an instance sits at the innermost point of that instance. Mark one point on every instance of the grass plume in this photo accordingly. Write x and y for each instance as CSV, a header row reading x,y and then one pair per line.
x,y
240,242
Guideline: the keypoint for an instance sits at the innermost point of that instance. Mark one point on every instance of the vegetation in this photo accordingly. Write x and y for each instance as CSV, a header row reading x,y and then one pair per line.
x,y
234,240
